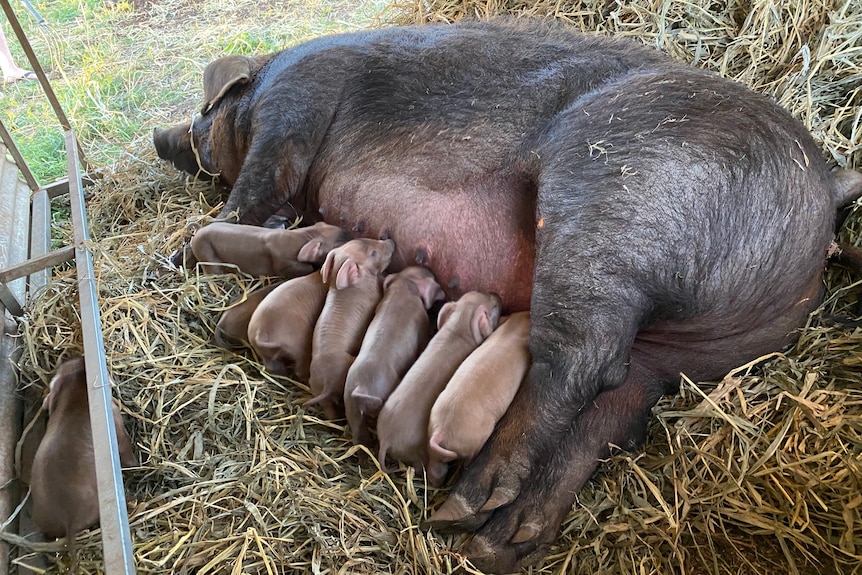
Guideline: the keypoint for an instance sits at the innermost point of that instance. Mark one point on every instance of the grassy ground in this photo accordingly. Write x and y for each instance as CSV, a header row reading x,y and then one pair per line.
x,y
120,69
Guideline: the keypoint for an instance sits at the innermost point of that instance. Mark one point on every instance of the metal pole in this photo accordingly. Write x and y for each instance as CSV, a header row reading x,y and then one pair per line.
x,y
114,519
39,20
40,74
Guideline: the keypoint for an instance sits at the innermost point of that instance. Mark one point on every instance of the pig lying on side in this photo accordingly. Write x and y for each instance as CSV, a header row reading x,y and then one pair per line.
x,y
354,272
478,395
402,426
280,329
231,332
262,251
63,477
396,336
654,218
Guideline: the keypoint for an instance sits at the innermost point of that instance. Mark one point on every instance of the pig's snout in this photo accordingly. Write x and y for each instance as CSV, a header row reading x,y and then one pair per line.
x,y
175,145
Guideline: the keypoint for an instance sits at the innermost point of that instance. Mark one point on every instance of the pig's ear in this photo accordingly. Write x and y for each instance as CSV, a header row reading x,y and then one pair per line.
x,y
445,313
388,280
124,442
222,75
348,275
50,401
431,292
310,252
327,267
481,324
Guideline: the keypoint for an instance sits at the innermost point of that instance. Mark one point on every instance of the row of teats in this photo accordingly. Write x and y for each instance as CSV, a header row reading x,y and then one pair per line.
x,y
363,339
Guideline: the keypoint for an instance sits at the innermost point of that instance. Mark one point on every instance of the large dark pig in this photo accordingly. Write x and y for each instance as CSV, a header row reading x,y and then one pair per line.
x,y
654,218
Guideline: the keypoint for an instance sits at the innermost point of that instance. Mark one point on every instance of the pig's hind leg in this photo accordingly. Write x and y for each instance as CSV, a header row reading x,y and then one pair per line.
x,y
526,530
629,238
584,321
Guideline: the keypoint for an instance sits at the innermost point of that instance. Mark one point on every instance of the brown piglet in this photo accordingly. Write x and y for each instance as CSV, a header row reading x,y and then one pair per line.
x,y
261,251
231,332
354,272
281,327
402,426
63,477
396,336
478,395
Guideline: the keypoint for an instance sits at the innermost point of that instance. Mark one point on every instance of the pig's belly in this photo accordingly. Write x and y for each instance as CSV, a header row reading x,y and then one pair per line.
x,y
478,235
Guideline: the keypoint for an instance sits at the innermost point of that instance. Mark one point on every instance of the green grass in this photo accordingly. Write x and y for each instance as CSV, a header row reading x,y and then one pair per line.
x,y
119,70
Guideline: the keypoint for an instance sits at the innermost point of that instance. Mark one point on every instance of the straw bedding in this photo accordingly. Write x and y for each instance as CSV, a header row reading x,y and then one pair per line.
x,y
758,473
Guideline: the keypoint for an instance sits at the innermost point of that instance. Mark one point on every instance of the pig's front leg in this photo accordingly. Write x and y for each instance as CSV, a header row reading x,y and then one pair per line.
x,y
583,323
271,179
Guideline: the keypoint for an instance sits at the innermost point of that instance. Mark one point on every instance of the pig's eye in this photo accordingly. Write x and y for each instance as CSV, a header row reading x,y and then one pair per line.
x,y
373,253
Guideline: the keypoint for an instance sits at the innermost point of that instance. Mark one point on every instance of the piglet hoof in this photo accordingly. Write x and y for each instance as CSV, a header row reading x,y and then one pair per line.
x,y
183,258
331,409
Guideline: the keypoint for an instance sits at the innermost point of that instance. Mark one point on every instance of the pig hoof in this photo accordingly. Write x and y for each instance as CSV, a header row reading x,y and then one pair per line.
x,y
452,515
454,509
500,496
493,552
489,558
527,532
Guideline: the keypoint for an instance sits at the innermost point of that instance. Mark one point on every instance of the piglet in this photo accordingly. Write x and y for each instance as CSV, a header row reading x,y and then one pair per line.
x,y
402,426
231,332
263,251
63,477
394,339
281,327
478,395
354,272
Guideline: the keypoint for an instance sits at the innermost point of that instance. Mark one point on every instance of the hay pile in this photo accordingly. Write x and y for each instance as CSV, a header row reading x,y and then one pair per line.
x,y
759,473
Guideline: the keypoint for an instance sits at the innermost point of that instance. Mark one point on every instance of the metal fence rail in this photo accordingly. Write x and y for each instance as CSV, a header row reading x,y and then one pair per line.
x,y
33,219
114,519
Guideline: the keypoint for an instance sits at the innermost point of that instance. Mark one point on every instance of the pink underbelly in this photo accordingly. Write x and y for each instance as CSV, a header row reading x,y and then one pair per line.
x,y
476,238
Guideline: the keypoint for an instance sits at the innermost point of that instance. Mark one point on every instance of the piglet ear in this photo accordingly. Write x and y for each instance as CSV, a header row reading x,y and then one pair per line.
x,y
481,324
327,267
431,292
50,401
223,74
388,280
310,252
445,313
124,442
348,276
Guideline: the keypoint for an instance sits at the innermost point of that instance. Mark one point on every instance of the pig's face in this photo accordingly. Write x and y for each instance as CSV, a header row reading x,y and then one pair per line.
x,y
476,312
188,145
355,260
423,282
